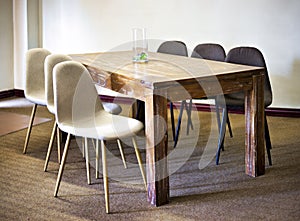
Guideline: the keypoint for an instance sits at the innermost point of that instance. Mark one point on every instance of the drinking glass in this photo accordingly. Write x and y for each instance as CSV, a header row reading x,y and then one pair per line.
x,y
140,45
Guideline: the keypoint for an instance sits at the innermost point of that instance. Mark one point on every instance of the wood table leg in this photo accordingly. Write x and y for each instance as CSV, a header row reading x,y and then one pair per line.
x,y
254,116
157,149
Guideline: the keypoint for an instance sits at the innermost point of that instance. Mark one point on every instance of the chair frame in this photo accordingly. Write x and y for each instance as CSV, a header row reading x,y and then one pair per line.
x,y
77,70
227,106
35,77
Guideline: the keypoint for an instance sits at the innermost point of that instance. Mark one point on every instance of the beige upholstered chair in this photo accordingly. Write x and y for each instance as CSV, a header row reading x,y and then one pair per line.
x,y
35,84
50,62
79,112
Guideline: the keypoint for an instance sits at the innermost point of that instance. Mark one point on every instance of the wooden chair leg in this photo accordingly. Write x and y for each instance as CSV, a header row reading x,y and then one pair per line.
x,y
29,128
58,138
105,178
122,153
93,142
50,146
82,147
62,165
138,156
96,148
87,160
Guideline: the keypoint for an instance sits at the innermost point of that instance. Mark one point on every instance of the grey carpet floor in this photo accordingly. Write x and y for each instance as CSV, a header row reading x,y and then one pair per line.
x,y
200,190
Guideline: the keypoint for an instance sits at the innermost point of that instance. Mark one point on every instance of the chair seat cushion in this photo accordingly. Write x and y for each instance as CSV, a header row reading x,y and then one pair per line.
x,y
38,97
109,107
102,126
108,92
112,108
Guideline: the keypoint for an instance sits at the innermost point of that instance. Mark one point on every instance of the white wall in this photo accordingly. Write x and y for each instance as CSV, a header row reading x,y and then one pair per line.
x,y
34,23
20,42
6,45
72,26
16,37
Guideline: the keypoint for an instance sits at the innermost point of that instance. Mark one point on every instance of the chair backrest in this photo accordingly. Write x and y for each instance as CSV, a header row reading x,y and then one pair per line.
x,y
75,95
50,61
253,57
173,47
209,51
35,77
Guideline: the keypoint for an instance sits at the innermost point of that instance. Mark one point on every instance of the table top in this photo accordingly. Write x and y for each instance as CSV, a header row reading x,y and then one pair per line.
x,y
160,67
115,69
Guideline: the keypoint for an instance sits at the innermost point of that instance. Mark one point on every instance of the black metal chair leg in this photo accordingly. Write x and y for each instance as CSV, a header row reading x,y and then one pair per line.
x,y
137,114
179,123
221,134
218,118
189,114
229,125
268,141
140,111
172,120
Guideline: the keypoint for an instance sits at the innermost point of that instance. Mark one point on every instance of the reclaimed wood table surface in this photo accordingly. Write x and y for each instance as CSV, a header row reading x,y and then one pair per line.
x,y
167,78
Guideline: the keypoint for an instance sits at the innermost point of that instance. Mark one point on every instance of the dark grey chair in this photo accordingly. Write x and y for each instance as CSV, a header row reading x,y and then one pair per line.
x,y
175,48
247,56
209,51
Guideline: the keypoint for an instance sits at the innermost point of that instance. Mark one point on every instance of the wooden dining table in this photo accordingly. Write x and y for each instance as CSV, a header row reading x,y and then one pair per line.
x,y
167,78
